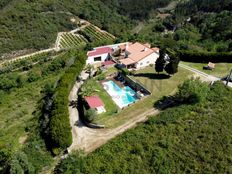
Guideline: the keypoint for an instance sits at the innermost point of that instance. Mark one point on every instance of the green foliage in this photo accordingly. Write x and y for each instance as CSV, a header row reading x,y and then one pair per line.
x,y
160,62
159,28
60,132
192,91
194,6
90,115
124,71
172,66
71,165
183,139
8,81
101,77
27,63
33,76
38,22
136,9
20,164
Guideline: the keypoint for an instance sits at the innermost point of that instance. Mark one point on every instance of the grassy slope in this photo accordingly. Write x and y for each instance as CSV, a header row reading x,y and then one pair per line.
x,y
35,24
184,139
221,69
17,111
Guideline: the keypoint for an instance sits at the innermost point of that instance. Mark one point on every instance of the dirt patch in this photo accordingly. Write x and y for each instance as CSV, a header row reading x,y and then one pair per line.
x,y
23,139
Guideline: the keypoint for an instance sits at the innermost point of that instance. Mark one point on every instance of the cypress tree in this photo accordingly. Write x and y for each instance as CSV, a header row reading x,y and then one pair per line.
x,y
160,62
172,66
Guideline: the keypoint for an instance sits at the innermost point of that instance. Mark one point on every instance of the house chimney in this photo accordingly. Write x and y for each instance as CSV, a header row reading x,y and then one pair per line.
x,y
145,49
127,46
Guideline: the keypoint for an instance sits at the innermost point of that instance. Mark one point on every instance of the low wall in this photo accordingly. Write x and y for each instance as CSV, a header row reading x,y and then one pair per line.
x,y
136,85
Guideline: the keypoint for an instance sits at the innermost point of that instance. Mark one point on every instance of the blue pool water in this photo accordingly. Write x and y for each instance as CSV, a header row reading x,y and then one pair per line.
x,y
122,97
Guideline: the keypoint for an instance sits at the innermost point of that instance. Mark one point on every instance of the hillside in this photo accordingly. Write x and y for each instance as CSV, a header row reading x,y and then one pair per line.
x,y
189,138
35,24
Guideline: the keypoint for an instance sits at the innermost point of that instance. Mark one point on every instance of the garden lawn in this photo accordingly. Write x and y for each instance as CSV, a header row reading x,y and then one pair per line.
x,y
158,87
221,69
110,106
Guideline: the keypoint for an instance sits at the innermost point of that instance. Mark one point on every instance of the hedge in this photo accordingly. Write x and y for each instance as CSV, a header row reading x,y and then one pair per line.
x,y
205,57
59,127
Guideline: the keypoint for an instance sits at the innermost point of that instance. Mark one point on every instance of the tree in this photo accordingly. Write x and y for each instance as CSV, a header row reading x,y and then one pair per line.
x,y
160,62
172,66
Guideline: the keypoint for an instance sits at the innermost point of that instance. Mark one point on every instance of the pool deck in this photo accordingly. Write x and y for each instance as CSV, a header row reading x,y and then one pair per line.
x,y
115,81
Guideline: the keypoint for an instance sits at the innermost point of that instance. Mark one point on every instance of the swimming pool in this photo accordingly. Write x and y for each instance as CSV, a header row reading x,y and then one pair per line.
x,y
122,97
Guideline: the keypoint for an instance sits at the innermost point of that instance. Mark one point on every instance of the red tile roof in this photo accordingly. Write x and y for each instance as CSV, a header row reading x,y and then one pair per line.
x,y
94,101
109,62
100,51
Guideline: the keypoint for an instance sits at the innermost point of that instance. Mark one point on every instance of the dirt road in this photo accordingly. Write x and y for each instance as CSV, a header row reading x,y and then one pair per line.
x,y
90,139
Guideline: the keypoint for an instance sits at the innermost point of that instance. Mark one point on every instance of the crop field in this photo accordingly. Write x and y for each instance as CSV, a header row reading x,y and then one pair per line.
x,y
69,40
92,33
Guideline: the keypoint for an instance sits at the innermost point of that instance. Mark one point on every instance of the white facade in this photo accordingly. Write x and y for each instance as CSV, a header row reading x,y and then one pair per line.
x,y
100,109
151,59
97,58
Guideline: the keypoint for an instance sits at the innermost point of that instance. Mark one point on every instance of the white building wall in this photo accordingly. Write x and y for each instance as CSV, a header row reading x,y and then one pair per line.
x,y
90,60
151,59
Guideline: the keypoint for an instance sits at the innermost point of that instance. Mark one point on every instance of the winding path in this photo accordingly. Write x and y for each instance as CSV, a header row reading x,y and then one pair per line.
x,y
203,76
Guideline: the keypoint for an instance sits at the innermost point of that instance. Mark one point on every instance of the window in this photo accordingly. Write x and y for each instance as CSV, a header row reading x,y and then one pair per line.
x,y
148,62
97,59
141,63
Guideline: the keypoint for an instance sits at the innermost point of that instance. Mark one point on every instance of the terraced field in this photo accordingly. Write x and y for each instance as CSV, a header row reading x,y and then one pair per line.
x,y
70,40
93,33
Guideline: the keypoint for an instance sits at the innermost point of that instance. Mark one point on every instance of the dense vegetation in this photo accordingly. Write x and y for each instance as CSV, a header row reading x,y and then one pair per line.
x,y
204,57
21,99
194,137
194,6
136,9
35,24
59,127
184,139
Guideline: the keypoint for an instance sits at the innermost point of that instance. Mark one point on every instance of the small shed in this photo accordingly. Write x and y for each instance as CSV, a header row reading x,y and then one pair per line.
x,y
96,103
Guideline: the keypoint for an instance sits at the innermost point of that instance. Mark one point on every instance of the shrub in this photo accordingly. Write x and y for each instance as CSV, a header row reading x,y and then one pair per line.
x,y
125,71
193,91
90,115
101,77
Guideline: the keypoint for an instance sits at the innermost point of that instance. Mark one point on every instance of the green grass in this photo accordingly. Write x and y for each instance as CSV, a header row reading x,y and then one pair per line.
x,y
158,87
221,69
110,106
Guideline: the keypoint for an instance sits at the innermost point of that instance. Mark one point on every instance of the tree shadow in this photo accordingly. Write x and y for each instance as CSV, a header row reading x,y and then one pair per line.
x,y
153,76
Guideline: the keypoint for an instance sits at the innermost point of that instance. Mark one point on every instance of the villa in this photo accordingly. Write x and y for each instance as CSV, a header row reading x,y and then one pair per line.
x,y
137,55
95,103
99,55
129,55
